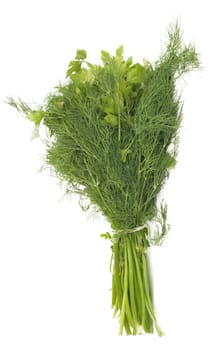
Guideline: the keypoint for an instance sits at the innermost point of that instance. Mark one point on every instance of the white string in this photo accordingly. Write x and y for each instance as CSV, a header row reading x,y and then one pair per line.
x,y
131,230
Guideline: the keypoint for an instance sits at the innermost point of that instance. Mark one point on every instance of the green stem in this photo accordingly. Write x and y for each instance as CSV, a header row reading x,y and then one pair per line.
x,y
140,284
125,295
132,290
131,283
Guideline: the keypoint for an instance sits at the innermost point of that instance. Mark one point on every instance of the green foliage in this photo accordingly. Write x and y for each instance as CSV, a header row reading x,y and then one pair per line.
x,y
114,129
114,138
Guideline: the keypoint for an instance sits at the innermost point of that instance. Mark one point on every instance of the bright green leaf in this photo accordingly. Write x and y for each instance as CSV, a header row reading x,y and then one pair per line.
x,y
125,90
105,57
119,53
106,235
111,119
129,62
81,55
74,66
86,75
172,162
35,116
110,106
136,74
109,109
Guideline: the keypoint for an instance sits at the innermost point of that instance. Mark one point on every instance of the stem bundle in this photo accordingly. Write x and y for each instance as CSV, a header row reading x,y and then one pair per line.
x,y
132,289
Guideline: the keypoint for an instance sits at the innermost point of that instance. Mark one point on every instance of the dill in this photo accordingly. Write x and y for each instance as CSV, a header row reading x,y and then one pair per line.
x,y
113,137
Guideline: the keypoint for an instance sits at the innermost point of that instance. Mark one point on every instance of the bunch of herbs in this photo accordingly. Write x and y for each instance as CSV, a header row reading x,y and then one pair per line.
x,y
113,137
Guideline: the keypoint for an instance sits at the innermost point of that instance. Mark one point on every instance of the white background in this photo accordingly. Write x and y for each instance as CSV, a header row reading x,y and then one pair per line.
x,y
54,267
